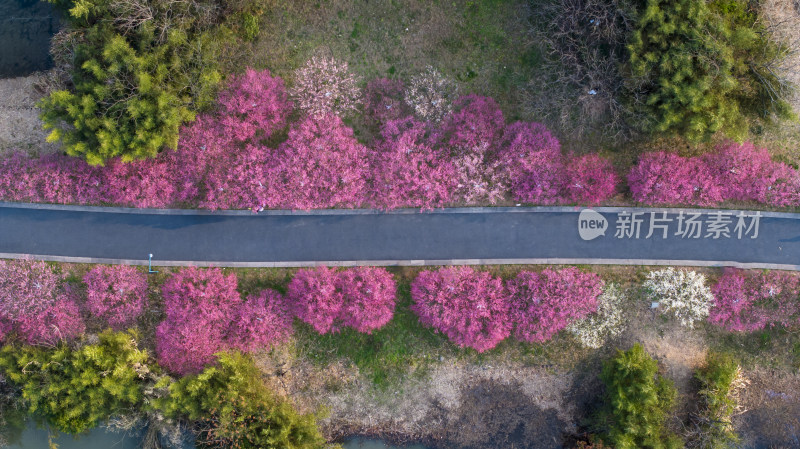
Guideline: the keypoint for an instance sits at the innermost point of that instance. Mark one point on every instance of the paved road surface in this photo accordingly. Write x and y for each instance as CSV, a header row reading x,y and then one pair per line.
x,y
404,237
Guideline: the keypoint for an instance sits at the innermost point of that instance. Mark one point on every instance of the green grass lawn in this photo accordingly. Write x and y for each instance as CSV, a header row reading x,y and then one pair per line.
x,y
483,45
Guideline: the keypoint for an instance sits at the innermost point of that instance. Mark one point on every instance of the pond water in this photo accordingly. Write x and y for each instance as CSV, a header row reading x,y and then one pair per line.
x,y
99,438
25,30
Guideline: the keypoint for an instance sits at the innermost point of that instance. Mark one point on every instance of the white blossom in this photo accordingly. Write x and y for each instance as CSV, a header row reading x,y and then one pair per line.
x,y
608,322
430,95
681,294
324,85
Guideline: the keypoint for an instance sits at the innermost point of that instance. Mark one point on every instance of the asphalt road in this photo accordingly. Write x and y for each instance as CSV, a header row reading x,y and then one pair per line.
x,y
404,237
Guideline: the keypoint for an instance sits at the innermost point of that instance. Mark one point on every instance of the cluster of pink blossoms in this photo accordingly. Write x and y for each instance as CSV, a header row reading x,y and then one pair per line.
x,y
205,314
542,304
116,293
233,159
36,304
474,309
738,172
361,298
747,301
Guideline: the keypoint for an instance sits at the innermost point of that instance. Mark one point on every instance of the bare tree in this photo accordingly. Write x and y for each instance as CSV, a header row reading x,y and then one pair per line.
x,y
580,84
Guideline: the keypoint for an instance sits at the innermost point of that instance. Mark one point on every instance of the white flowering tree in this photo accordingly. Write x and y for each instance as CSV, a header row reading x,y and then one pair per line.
x,y
608,322
430,95
324,85
681,294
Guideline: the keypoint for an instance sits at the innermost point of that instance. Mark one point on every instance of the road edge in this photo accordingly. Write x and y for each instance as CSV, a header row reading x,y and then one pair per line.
x,y
405,263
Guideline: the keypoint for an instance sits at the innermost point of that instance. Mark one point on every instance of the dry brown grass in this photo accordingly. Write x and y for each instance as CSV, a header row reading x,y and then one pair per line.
x,y
782,18
20,127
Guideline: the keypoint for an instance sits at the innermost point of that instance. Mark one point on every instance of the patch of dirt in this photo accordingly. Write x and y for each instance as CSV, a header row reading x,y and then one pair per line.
x,y
678,349
20,127
458,405
772,410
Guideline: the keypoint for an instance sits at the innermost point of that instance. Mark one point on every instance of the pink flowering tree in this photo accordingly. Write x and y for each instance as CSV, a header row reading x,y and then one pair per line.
x,y
204,292
324,86
116,294
369,297
361,298
666,178
475,121
61,321
140,183
36,303
6,327
591,179
199,305
253,106
470,307
321,165
383,101
28,288
242,183
783,188
261,322
746,301
743,171
479,176
531,159
203,146
747,173
407,171
316,300
542,304
188,346
49,179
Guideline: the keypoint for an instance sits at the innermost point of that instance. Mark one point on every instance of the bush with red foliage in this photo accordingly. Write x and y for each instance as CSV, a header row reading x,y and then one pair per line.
x,y
591,179
407,171
747,301
666,178
262,321
468,306
532,161
199,307
116,294
544,303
